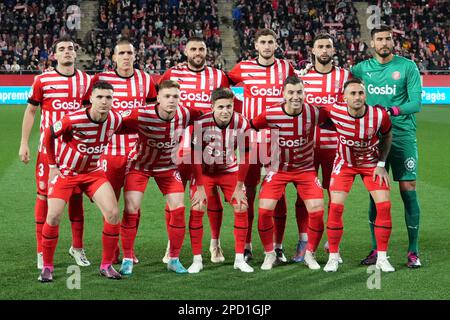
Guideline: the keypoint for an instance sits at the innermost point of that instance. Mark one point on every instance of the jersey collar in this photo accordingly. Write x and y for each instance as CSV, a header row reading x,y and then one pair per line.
x,y
115,71
159,117
292,115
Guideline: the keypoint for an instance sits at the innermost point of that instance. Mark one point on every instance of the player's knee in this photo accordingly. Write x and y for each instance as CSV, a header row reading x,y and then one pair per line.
x,y
196,207
314,206
53,218
239,208
112,215
407,185
268,204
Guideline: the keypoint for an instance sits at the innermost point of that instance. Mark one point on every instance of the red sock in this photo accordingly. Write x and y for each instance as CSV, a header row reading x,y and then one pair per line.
x,y
279,219
128,233
215,215
177,229
240,230
315,230
49,242
196,231
265,228
110,239
40,214
250,215
76,216
138,220
301,215
335,226
167,216
383,225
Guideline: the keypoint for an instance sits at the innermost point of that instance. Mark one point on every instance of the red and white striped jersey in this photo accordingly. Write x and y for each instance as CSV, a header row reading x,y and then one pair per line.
x,y
263,85
129,92
196,86
57,95
159,140
323,90
358,138
217,146
293,136
84,141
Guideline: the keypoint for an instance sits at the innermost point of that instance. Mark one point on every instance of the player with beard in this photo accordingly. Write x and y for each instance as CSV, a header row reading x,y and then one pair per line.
x,y
197,81
394,83
324,85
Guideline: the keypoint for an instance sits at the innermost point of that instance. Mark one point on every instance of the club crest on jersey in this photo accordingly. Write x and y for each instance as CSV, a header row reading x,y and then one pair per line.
x,y
177,176
42,185
126,113
308,126
57,126
369,132
82,88
141,89
396,75
109,133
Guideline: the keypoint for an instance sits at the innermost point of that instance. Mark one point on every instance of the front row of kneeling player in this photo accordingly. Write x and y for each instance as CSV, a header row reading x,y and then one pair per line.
x,y
364,141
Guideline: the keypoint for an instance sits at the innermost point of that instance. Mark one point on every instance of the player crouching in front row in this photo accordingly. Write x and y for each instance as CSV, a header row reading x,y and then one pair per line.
x,y
85,133
364,141
217,136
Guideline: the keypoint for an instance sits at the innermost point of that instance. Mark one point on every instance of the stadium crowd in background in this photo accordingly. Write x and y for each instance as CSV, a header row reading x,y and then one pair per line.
x,y
421,31
27,31
160,30
296,23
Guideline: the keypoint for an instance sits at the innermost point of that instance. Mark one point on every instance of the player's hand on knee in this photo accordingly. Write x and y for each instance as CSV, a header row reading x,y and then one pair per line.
x,y
240,197
199,198
382,174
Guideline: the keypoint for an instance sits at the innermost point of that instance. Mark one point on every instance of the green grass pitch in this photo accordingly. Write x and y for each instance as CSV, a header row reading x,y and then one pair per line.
x,y
150,280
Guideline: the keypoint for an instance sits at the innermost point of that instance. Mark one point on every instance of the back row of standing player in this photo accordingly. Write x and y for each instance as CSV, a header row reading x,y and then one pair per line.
x,y
263,81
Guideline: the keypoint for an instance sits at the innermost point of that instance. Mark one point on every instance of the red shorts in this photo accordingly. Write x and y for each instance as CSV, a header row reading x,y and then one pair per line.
x,y
88,183
343,177
225,181
115,167
324,158
42,171
168,181
307,184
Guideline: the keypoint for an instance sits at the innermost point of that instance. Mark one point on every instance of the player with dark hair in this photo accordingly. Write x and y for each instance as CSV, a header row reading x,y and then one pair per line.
x,y
197,81
57,93
292,126
394,83
262,79
365,138
85,134
160,128
324,84
217,136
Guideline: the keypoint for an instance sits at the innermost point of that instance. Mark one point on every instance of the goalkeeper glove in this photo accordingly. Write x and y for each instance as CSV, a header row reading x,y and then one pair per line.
x,y
393,111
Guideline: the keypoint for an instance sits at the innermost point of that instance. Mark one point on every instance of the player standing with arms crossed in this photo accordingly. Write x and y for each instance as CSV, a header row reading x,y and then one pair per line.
x,y
57,93
394,83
